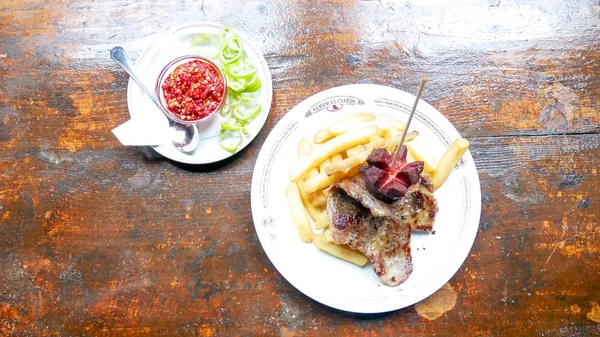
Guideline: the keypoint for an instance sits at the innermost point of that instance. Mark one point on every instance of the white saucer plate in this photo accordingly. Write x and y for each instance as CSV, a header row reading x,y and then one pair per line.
x,y
175,43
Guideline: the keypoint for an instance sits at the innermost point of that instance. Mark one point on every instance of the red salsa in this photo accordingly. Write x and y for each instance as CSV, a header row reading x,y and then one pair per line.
x,y
193,90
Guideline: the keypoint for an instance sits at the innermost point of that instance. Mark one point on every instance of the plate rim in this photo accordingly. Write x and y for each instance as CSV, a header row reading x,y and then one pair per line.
x,y
461,253
168,151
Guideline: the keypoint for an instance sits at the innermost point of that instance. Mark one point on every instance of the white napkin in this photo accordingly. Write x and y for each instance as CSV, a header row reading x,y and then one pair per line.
x,y
143,131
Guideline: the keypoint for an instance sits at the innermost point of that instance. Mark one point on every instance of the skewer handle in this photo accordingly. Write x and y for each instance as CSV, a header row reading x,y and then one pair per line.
x,y
412,113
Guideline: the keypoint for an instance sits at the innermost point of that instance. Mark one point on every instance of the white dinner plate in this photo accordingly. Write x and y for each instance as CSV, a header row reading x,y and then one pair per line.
x,y
334,282
175,43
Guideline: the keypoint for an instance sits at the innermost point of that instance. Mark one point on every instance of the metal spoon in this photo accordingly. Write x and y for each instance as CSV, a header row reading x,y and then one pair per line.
x,y
185,137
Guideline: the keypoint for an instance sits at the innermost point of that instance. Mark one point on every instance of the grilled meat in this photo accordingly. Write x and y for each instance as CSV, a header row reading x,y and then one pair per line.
x,y
418,206
380,230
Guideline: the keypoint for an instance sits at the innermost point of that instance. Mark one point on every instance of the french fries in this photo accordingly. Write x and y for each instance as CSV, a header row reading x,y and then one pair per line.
x,y
354,161
313,211
383,125
449,159
322,221
298,213
340,150
327,235
322,180
409,157
325,164
354,151
304,148
324,135
336,158
359,117
392,133
318,199
418,152
339,251
331,147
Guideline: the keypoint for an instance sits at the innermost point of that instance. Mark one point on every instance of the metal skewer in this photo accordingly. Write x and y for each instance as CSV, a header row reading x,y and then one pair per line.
x,y
397,150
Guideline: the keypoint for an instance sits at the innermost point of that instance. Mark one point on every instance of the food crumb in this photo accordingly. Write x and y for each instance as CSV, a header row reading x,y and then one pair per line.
x,y
498,237
208,210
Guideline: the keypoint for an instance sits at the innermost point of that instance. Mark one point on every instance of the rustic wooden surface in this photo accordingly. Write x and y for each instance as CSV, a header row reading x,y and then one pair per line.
x,y
97,239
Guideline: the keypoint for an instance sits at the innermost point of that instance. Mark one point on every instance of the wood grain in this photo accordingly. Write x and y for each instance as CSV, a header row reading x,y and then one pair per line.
x,y
97,239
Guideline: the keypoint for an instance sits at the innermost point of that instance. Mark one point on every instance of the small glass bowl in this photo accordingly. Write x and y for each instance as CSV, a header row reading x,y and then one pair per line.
x,y
170,67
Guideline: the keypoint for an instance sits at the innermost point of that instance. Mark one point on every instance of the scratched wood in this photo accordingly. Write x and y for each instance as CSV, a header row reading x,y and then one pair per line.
x,y
98,239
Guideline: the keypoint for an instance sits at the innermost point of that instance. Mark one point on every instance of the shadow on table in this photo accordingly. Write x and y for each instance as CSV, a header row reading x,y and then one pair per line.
x,y
153,156
365,317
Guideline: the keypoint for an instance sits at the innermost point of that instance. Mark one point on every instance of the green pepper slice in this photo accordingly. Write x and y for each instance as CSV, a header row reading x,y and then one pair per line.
x,y
233,124
226,32
231,50
236,84
230,140
246,109
226,109
254,84
243,68
205,44
243,79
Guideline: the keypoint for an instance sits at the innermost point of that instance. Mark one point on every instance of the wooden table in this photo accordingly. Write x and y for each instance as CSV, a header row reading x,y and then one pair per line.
x,y
99,239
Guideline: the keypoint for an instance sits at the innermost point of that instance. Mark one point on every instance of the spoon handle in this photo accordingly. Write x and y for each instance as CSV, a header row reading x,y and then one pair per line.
x,y
119,55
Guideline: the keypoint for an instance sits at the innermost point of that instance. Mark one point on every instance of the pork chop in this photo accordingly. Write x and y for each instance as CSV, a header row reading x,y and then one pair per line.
x,y
380,230
417,207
